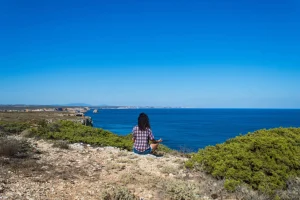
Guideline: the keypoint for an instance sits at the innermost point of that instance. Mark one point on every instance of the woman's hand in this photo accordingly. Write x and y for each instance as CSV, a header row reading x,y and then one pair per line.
x,y
156,141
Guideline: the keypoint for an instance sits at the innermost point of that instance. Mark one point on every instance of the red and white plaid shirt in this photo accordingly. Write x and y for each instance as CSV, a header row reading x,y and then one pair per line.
x,y
141,138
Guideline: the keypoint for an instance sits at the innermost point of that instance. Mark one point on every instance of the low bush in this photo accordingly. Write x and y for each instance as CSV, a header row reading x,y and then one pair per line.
x,y
61,144
164,149
178,189
8,128
169,170
118,193
72,132
75,132
264,160
10,147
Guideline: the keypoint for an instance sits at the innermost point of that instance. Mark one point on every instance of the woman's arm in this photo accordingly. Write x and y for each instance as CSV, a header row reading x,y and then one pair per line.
x,y
133,134
151,137
156,141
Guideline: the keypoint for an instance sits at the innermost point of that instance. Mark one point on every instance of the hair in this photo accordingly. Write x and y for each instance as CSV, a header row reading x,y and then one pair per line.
x,y
143,122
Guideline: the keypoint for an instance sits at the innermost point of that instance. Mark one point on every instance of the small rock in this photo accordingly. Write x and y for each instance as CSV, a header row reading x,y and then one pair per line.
x,y
44,167
214,196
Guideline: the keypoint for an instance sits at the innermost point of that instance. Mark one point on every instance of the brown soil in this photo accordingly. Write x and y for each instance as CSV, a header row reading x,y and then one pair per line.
x,y
84,172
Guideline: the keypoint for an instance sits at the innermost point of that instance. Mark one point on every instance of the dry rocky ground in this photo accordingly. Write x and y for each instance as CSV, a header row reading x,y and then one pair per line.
x,y
85,172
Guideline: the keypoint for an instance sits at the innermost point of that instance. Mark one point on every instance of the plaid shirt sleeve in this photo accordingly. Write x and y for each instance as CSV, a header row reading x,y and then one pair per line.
x,y
151,137
134,132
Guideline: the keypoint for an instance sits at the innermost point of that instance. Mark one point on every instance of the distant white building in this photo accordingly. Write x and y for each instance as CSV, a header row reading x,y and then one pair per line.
x,y
95,111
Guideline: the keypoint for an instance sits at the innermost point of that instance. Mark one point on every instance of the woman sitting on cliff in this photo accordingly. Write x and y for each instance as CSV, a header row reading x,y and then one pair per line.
x,y
142,134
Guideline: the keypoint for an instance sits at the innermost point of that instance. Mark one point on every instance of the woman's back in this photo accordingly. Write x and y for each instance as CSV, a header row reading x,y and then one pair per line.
x,y
141,138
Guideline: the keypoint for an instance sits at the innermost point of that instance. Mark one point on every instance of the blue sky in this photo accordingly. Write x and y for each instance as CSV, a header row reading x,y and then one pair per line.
x,y
211,54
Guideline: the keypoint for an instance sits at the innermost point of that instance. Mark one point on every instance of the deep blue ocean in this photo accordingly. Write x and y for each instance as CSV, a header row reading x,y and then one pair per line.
x,y
196,128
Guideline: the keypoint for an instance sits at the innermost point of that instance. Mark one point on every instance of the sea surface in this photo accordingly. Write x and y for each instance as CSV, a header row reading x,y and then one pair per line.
x,y
191,129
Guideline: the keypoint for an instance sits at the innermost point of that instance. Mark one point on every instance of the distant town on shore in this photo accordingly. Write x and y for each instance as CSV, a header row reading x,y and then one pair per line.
x,y
65,108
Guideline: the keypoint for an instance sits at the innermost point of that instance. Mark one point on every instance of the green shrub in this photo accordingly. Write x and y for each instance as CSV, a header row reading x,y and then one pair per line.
x,y
75,132
72,132
265,159
164,149
231,184
8,128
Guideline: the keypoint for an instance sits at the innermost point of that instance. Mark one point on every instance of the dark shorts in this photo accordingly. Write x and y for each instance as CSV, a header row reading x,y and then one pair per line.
x,y
147,151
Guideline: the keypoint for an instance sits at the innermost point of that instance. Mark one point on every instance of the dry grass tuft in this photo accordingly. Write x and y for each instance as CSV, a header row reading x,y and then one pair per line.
x,y
62,144
118,193
179,161
169,170
293,190
150,159
133,157
177,189
114,166
10,147
127,178
125,161
122,154
244,192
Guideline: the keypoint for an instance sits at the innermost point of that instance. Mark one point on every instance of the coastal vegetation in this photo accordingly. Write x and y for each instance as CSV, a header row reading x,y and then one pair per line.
x,y
265,163
9,128
265,160
77,133
10,147
71,132
118,193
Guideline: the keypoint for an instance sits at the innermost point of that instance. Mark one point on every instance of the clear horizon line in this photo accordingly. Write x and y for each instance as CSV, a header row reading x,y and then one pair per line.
x,y
179,107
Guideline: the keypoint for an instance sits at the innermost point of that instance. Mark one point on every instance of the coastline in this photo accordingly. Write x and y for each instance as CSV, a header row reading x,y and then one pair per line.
x,y
73,157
